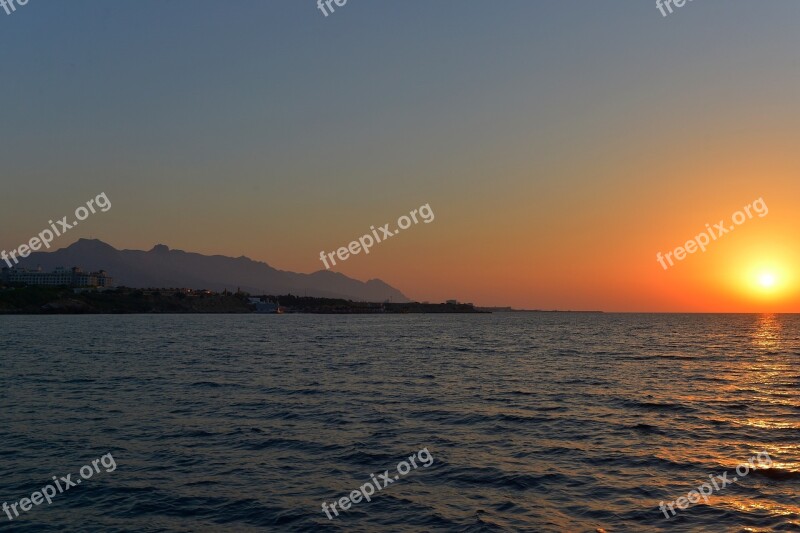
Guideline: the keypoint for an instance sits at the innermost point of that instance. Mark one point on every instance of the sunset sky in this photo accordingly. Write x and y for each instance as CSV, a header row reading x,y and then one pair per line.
x,y
561,145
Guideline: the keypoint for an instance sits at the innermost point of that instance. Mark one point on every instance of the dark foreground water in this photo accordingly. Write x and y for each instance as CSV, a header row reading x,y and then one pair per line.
x,y
535,422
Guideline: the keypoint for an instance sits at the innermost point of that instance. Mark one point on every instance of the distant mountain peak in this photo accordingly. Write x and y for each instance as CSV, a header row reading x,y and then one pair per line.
x,y
83,242
84,245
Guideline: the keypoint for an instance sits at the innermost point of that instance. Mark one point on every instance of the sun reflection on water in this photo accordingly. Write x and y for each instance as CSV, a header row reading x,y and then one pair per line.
x,y
767,335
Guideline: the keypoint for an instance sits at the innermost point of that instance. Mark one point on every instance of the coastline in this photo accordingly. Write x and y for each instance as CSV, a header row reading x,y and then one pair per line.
x,y
69,301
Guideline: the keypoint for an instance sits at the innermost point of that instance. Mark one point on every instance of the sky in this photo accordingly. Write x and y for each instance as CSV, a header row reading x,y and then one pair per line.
x,y
560,145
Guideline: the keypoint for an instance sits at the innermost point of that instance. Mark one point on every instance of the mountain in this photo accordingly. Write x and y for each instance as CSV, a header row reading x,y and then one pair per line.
x,y
165,268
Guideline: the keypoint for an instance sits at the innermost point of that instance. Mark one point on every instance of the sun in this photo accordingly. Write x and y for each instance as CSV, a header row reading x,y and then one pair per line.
x,y
767,280
763,275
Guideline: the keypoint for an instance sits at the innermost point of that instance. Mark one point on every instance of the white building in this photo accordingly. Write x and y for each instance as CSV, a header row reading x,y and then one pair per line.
x,y
60,277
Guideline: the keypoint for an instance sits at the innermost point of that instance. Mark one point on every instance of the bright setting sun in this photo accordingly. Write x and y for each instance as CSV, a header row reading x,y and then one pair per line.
x,y
761,275
767,280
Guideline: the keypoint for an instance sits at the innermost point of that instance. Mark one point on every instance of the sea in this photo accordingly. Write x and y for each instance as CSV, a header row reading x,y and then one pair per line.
x,y
540,422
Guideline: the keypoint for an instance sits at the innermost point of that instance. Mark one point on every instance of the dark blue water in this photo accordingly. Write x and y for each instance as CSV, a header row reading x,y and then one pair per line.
x,y
536,422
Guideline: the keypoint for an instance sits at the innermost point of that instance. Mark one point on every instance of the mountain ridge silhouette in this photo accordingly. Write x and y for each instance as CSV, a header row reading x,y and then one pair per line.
x,y
162,267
